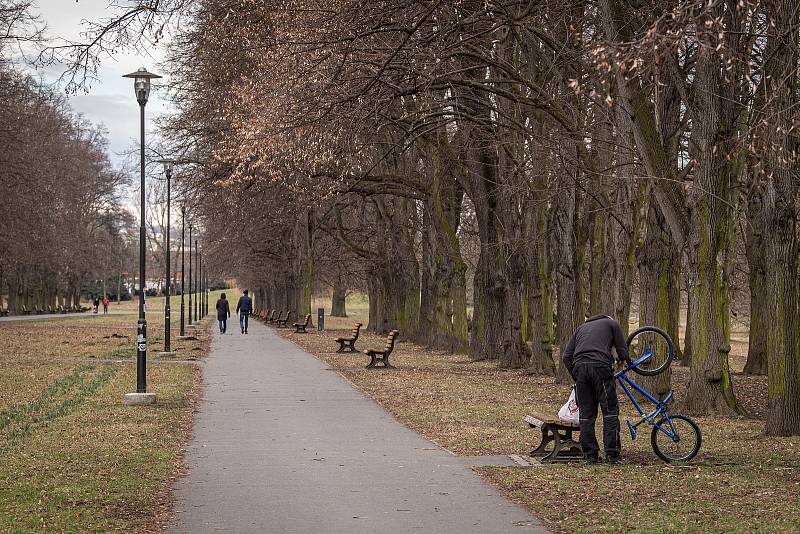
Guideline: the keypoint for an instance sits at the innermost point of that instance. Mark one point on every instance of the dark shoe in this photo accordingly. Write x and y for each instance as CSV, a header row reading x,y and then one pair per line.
x,y
616,461
593,461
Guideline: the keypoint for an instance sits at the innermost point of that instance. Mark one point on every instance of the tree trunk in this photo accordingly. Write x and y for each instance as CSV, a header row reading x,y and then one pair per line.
x,y
569,279
757,280
442,266
659,283
304,267
540,331
338,306
782,222
710,245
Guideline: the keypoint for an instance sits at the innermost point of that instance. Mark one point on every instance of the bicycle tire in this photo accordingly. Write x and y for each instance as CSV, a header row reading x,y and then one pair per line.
x,y
667,359
695,431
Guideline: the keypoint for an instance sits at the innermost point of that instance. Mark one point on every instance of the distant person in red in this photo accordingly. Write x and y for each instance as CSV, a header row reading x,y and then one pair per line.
x,y
105,304
96,304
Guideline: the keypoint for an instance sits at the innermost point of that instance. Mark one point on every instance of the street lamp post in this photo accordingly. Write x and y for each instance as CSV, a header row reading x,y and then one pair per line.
x,y
183,287
141,86
196,278
202,289
190,275
168,165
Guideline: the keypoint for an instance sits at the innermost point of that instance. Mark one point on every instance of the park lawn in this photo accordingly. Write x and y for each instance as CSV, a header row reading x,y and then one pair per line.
x,y
740,481
73,457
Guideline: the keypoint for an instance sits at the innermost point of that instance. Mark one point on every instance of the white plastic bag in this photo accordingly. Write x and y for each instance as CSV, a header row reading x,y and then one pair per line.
x,y
569,412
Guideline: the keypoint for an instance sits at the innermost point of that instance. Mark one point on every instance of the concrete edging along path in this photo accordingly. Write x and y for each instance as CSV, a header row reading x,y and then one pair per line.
x,y
281,445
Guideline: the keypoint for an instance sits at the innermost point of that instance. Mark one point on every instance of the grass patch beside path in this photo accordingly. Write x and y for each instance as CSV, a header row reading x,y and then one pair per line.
x,y
741,481
73,457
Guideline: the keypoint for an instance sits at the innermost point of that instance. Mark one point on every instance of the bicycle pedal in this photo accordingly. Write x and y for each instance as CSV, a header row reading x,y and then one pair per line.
x,y
631,428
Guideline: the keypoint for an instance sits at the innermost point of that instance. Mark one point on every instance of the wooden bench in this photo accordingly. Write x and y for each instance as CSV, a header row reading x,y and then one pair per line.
x,y
300,328
349,342
559,433
271,317
382,356
38,310
283,321
263,314
24,310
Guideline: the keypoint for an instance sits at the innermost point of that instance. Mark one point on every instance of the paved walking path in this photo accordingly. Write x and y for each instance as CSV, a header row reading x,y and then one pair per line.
x,y
283,445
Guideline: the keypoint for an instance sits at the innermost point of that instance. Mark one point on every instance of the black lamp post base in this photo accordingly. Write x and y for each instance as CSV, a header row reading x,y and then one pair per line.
x,y
139,399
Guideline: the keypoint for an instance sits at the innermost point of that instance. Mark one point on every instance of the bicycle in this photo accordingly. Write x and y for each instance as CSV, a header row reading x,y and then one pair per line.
x,y
677,432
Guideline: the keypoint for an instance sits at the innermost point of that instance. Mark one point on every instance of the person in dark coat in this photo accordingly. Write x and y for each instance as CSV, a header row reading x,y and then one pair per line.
x,y
588,359
223,312
243,308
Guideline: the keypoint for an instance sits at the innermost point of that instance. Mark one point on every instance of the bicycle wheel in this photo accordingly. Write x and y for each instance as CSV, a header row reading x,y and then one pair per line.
x,y
688,444
657,343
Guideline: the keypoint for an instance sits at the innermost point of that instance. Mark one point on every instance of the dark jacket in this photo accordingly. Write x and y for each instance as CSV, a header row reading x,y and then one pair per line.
x,y
245,304
592,342
223,309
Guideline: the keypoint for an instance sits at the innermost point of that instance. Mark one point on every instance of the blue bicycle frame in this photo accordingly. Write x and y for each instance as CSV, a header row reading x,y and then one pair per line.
x,y
661,405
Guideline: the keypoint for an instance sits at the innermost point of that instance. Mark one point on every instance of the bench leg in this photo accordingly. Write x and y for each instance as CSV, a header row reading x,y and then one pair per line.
x,y
385,360
341,347
565,449
541,450
352,346
371,364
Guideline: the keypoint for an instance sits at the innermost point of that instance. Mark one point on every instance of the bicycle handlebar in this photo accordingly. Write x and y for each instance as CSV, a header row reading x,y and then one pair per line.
x,y
646,356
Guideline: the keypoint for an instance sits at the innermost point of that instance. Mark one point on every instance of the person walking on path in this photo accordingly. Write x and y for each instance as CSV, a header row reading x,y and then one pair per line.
x,y
588,359
96,304
243,308
105,304
223,312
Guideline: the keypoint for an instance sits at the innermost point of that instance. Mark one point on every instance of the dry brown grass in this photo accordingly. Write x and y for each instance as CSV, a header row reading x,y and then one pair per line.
x,y
73,457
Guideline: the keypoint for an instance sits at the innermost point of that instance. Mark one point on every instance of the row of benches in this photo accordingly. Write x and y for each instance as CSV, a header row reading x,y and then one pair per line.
x,y
346,344
24,310
280,319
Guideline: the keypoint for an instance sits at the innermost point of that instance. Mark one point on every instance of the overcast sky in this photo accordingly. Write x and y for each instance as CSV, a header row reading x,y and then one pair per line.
x,y
110,101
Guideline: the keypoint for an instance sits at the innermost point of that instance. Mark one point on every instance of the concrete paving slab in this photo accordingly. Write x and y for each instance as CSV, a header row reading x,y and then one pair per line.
x,y
281,445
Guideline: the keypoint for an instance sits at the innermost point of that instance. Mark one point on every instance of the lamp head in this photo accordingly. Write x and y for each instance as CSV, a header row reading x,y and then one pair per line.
x,y
168,165
141,84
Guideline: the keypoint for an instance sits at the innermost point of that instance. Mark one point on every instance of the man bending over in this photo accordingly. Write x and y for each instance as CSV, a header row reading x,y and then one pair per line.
x,y
588,359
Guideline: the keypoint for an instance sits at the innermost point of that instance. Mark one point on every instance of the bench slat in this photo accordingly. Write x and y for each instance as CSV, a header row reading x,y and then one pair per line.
x,y
539,420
